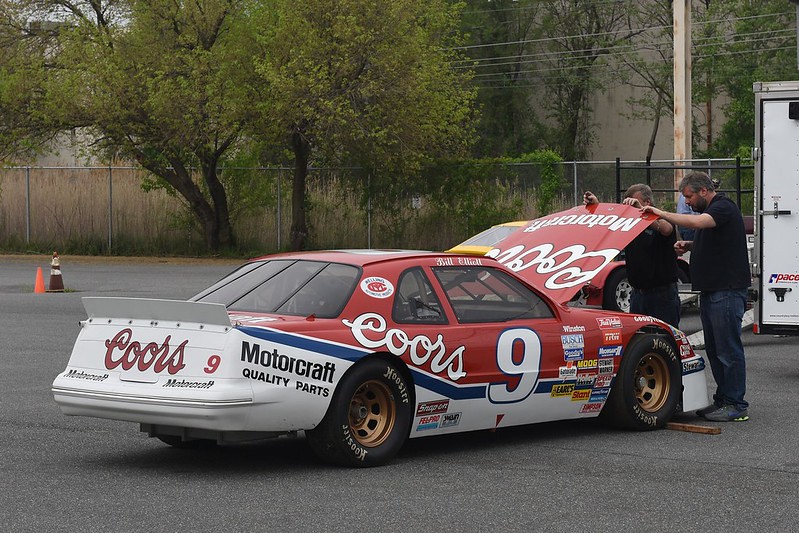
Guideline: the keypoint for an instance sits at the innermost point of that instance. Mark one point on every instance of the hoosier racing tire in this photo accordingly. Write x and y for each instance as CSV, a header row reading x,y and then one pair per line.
x,y
369,417
648,386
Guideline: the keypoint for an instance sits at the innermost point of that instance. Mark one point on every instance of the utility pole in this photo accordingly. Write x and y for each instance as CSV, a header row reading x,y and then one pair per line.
x,y
797,29
682,84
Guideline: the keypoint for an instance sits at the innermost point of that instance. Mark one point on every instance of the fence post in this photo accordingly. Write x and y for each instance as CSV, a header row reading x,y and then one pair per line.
x,y
618,180
110,208
279,210
369,210
738,176
27,205
576,194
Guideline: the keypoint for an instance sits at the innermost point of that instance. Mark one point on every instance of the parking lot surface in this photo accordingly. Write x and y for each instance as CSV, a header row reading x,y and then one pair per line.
x,y
61,473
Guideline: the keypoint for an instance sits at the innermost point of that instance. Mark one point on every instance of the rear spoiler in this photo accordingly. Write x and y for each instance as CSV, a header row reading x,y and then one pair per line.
x,y
155,309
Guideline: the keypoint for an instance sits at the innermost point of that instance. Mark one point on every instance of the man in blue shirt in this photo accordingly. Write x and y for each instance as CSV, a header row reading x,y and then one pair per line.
x,y
720,272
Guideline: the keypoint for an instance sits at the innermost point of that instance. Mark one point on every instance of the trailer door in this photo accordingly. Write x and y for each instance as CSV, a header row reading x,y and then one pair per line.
x,y
777,245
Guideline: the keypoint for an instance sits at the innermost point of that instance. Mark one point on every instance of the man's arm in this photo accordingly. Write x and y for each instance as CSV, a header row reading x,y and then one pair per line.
x,y
700,221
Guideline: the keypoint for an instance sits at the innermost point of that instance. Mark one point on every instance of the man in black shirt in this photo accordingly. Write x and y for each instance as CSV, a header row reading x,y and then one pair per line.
x,y
720,272
651,262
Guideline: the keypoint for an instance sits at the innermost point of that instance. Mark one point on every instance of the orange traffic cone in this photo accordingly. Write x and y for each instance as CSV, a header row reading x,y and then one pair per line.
x,y
56,282
39,287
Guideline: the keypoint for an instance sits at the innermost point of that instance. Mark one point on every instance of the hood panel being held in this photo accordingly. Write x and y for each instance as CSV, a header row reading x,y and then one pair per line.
x,y
563,251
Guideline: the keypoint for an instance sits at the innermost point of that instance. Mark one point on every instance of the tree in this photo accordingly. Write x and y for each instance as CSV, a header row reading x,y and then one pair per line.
x,y
362,82
502,41
759,45
163,83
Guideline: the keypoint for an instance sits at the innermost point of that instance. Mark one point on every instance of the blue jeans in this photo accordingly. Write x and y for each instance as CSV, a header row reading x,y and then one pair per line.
x,y
721,313
661,302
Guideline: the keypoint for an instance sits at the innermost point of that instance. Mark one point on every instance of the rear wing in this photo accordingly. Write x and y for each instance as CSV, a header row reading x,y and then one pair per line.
x,y
155,309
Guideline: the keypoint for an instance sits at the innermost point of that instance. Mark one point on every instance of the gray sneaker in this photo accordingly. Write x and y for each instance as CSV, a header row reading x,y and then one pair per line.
x,y
709,409
727,413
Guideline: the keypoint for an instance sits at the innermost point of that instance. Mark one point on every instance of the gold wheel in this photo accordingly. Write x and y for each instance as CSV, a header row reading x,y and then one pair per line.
x,y
372,413
652,384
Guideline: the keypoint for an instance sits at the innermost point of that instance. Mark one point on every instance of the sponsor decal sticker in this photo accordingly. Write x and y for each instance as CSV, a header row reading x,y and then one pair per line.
x,y
432,408
428,422
573,354
611,337
573,329
685,349
606,366
603,380
609,351
692,366
609,322
377,287
450,420
573,345
562,389
371,331
593,407
581,395
184,384
784,278
80,374
567,372
599,395
586,380
587,363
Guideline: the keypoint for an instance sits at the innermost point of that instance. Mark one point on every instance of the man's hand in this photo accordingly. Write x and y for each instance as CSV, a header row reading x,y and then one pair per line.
x,y
682,247
633,202
653,210
589,198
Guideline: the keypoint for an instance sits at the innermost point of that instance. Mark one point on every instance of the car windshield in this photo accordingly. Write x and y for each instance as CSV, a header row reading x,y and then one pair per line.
x,y
288,287
490,237
479,294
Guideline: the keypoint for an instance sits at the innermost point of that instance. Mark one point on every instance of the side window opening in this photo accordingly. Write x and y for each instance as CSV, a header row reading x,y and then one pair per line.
x,y
415,301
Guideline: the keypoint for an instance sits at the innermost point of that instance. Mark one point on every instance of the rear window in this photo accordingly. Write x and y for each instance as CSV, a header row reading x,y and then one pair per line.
x,y
287,287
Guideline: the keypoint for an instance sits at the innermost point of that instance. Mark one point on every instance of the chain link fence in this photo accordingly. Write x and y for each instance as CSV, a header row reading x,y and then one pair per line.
x,y
107,210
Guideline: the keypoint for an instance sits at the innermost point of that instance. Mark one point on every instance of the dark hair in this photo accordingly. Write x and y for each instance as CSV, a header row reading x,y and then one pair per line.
x,y
696,181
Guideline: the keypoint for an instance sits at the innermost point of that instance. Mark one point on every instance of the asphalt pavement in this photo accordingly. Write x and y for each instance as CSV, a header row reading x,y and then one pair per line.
x,y
60,473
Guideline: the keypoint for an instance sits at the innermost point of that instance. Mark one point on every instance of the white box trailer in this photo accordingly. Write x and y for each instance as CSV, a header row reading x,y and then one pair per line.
x,y
775,265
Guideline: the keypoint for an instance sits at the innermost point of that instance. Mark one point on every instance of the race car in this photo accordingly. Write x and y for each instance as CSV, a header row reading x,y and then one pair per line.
x,y
361,350
609,289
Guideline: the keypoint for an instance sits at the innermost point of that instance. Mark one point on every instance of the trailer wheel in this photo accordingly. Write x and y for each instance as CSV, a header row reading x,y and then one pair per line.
x,y
617,291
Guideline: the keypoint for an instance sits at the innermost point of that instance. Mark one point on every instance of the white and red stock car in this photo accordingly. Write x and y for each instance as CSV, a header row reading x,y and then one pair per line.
x,y
361,350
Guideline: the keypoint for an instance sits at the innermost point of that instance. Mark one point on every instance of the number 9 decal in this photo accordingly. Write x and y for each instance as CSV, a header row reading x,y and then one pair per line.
x,y
213,364
526,368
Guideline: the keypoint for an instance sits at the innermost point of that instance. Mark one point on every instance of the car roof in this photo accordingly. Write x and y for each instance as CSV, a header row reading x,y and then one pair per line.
x,y
359,257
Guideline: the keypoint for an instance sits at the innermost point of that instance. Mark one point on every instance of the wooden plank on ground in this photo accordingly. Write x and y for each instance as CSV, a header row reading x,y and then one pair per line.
x,y
693,428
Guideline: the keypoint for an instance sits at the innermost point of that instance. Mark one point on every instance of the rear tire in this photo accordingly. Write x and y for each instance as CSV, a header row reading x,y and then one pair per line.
x,y
648,386
369,417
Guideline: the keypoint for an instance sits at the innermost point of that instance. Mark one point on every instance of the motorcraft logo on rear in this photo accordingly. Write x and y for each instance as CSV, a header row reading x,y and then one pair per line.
x,y
80,374
253,354
184,384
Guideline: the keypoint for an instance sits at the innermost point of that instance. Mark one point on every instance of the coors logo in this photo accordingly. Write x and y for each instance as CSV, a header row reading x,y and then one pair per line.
x,y
122,351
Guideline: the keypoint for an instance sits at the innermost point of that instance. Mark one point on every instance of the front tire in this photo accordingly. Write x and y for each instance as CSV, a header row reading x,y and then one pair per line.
x,y
369,417
648,385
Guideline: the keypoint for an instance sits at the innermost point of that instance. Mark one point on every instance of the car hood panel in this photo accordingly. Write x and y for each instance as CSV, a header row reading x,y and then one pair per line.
x,y
561,252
